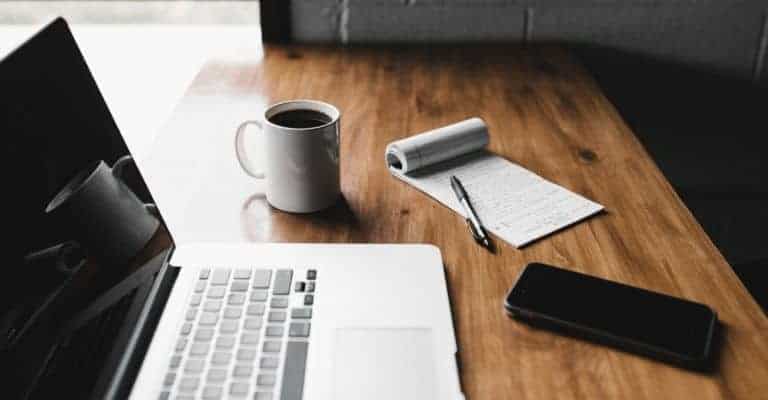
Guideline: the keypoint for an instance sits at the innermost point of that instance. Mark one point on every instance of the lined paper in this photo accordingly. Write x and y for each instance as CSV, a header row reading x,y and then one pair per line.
x,y
512,202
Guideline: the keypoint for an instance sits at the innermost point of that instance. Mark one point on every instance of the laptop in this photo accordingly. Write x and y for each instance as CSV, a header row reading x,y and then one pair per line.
x,y
208,321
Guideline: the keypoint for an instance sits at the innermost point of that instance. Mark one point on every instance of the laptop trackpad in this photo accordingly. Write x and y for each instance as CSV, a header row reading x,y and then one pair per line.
x,y
384,363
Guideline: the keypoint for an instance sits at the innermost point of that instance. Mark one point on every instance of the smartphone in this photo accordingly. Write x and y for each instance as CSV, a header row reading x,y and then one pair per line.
x,y
652,324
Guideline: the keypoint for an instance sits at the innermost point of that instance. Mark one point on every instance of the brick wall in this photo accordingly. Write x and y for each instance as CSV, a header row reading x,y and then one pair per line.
x,y
729,36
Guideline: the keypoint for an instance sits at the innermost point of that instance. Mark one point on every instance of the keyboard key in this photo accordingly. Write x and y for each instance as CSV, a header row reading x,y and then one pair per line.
x,y
164,396
208,318
221,358
199,286
191,314
274,331
220,277
269,363
271,347
225,342
199,349
181,344
175,362
236,299
282,283
256,309
246,355
301,313
253,323
293,372
249,339
194,365
266,380
238,282
212,392
204,273
216,292
239,286
242,371
189,384
238,389
233,312
261,278
242,273
212,305
259,295
216,375
228,326
298,329
195,300
204,335
279,302
169,378
277,316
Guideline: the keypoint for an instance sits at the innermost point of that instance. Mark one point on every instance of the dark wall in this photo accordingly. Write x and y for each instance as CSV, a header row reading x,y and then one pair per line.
x,y
728,37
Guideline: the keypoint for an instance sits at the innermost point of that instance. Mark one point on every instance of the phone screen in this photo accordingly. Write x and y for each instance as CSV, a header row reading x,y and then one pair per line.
x,y
666,323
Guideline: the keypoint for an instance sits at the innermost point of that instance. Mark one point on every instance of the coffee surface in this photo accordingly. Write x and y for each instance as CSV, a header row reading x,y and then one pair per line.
x,y
300,119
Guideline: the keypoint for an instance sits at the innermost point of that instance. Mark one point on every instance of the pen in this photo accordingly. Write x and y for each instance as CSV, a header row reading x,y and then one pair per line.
x,y
475,227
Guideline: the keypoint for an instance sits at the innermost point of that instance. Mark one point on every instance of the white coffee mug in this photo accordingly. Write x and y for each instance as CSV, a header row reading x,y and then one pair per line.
x,y
103,214
302,160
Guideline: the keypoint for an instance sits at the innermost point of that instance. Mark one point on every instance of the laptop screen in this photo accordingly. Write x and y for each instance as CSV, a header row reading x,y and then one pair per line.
x,y
78,215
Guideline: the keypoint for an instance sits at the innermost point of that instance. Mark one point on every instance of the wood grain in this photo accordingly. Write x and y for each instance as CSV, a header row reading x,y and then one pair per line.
x,y
545,113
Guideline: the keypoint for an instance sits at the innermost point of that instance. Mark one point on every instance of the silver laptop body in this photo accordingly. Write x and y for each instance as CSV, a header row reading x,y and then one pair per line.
x,y
243,322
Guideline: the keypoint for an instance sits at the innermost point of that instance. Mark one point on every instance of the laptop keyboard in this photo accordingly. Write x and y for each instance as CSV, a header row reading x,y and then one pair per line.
x,y
245,335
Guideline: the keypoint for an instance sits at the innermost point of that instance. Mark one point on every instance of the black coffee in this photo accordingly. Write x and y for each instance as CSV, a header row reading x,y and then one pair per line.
x,y
300,119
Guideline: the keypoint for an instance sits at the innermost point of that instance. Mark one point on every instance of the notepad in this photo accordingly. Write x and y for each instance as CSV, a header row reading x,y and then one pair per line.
x,y
512,202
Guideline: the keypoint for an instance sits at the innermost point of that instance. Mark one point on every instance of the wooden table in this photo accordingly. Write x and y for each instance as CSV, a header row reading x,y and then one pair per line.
x,y
545,113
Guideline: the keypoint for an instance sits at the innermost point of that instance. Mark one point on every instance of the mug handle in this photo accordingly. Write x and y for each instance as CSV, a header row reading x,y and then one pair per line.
x,y
152,209
117,171
120,164
242,156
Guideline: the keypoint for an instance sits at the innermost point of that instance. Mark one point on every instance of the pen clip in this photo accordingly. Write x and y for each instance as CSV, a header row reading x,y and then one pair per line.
x,y
475,234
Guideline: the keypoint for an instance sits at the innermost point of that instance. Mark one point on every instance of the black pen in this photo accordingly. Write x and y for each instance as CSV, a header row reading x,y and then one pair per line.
x,y
475,227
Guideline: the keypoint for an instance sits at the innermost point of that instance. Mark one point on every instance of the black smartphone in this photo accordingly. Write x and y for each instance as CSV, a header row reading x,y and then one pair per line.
x,y
652,324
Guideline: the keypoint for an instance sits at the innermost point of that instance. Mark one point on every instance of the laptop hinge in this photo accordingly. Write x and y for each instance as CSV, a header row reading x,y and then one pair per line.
x,y
132,354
